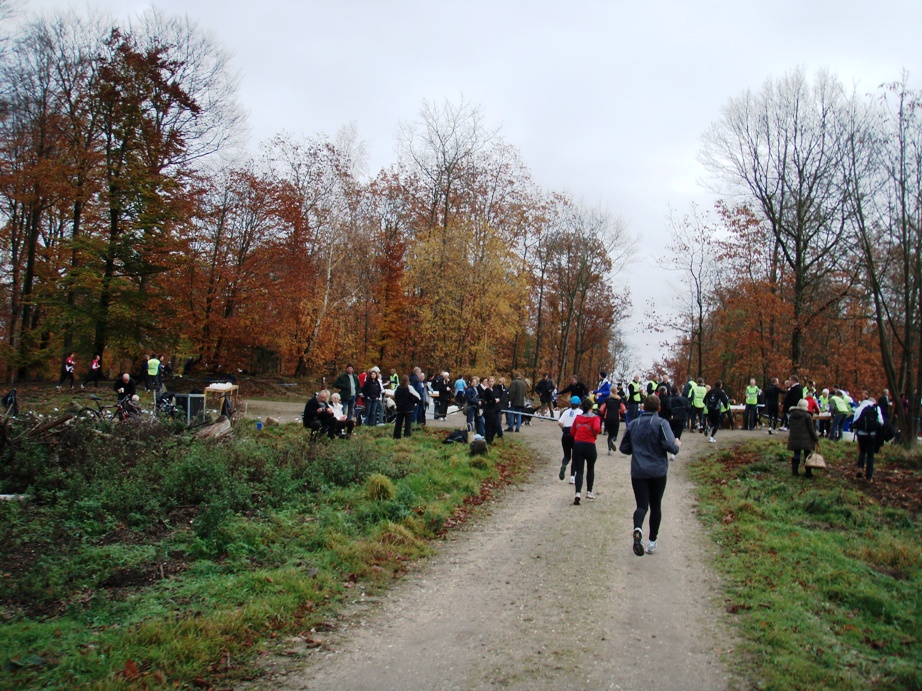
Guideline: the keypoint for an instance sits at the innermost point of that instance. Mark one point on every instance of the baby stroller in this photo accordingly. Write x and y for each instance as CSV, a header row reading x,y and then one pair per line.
x,y
390,409
166,406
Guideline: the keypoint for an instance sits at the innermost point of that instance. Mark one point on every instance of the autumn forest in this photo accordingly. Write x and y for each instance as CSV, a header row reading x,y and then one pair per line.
x,y
133,220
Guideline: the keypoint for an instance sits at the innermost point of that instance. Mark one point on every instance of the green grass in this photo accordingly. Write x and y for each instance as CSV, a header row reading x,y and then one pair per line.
x,y
159,560
825,579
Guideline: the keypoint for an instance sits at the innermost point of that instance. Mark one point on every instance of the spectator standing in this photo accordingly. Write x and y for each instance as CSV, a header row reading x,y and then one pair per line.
x,y
545,390
793,396
372,391
752,406
802,435
648,441
635,393
840,411
502,399
517,392
574,388
152,370
772,403
460,388
490,406
406,399
473,406
348,385
441,386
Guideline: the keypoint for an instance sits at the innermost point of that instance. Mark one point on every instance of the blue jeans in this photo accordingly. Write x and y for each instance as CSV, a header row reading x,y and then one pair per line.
x,y
371,411
349,407
517,417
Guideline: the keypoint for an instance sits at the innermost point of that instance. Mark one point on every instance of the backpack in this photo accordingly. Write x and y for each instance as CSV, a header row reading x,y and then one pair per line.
x,y
867,422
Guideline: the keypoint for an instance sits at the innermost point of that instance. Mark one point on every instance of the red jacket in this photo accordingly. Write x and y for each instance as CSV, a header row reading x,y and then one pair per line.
x,y
586,428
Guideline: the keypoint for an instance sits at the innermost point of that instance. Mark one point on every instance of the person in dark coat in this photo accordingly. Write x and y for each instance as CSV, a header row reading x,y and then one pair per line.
x,y
772,401
406,399
318,415
793,396
612,419
679,410
802,435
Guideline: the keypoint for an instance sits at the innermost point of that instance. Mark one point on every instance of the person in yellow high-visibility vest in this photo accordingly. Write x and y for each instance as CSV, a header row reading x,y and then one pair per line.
x,y
752,405
635,396
697,394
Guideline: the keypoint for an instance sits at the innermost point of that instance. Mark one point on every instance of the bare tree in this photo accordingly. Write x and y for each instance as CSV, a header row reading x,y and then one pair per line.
x,y
783,148
884,174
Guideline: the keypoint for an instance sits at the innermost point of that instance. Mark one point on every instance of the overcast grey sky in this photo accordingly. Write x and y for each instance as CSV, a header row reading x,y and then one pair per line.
x,y
606,101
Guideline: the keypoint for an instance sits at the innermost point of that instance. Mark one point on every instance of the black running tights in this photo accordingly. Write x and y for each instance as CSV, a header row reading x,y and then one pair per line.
x,y
648,493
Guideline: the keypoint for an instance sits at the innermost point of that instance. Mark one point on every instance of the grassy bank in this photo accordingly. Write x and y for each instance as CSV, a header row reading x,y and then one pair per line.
x,y
146,558
825,574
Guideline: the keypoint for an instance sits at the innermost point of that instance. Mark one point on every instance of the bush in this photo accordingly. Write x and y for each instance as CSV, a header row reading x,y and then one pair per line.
x,y
379,487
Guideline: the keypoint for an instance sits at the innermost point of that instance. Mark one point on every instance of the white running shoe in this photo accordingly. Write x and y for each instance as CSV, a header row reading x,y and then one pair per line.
x,y
590,495
651,547
712,440
573,479
576,499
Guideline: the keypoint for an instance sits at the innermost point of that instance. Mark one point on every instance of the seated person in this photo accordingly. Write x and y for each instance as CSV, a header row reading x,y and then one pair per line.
x,y
342,423
125,387
318,415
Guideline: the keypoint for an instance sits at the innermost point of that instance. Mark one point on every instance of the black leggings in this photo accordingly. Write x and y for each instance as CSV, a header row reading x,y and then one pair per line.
x,y
612,425
648,493
677,426
584,451
566,441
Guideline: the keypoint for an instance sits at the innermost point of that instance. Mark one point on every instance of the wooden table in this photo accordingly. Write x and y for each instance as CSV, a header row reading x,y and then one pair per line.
x,y
218,392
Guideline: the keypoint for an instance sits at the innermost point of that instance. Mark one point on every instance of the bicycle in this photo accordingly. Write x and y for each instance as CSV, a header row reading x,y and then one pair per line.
x,y
125,409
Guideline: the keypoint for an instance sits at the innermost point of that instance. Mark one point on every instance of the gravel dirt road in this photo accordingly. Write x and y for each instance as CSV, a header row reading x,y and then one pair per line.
x,y
540,594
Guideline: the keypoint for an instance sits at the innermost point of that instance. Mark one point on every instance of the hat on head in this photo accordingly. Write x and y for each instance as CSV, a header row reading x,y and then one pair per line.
x,y
603,374
575,400
803,404
375,369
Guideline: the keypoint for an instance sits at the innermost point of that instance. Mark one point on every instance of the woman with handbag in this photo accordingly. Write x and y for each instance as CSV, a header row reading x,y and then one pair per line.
x,y
802,436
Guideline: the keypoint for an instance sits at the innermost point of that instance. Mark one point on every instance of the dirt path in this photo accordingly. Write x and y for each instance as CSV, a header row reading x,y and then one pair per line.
x,y
542,594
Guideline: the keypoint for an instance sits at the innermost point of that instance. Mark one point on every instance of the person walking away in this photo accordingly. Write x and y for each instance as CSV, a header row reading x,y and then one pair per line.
x,y
840,411
585,430
152,371
793,396
680,409
715,401
545,390
517,392
566,439
698,392
772,404
406,398
648,441
95,373
869,422
67,370
752,406
372,391
802,436
460,388
348,385
611,416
